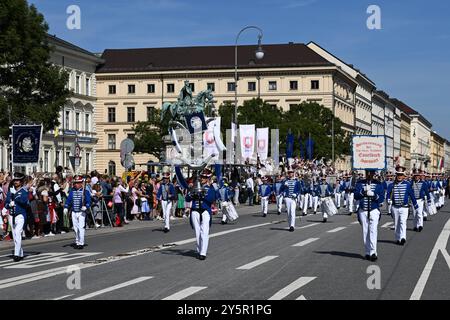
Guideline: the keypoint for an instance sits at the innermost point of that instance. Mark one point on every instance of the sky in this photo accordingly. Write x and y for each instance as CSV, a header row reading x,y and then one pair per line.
x,y
408,58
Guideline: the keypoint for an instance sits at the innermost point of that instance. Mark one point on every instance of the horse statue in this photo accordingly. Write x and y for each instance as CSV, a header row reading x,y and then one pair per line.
x,y
180,108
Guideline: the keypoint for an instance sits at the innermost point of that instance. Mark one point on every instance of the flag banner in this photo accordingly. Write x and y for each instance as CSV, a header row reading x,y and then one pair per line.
x,y
26,143
233,130
230,148
302,149
369,152
310,148
247,138
262,143
290,146
196,122
275,150
209,142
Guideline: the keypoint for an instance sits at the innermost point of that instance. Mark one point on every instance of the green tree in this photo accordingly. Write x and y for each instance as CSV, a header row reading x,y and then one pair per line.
x,y
149,134
313,119
260,113
31,89
226,113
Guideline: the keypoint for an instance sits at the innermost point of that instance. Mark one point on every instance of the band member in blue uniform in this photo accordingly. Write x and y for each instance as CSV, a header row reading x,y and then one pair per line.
x,y
324,191
370,194
79,200
200,218
17,203
278,193
421,192
166,194
224,197
264,191
400,192
291,189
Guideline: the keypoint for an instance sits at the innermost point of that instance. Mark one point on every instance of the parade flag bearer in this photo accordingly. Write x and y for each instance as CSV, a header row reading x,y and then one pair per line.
x,y
399,193
79,200
291,189
370,194
264,192
17,203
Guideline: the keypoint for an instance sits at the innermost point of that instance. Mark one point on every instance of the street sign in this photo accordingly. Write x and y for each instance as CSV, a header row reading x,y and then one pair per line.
x,y
369,153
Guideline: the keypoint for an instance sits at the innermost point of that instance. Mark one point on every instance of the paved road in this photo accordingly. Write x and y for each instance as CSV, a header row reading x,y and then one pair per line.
x,y
254,258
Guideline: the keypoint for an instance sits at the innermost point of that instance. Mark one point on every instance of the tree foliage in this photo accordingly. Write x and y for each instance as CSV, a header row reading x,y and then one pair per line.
x,y
31,89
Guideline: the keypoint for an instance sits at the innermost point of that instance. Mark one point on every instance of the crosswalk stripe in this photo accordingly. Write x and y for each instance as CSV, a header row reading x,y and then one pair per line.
x,y
256,263
184,293
297,284
118,286
305,242
336,230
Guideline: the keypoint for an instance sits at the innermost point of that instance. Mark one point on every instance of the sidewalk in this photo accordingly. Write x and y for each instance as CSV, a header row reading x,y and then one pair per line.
x,y
242,209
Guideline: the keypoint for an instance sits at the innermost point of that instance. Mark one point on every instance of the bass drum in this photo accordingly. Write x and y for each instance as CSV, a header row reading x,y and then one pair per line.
x,y
229,210
329,207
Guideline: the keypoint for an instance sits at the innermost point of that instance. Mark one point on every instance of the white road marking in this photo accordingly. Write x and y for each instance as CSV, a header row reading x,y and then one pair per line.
x,y
387,225
184,293
336,230
27,264
31,277
297,284
46,255
441,245
118,286
256,263
302,297
305,242
66,296
309,225
355,222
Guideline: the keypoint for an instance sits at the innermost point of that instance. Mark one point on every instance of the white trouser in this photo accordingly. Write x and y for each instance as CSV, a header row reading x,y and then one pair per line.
x,y
167,208
351,202
418,214
290,207
300,201
370,230
236,196
337,199
306,202
201,230
78,220
400,218
389,207
264,204
279,203
343,198
441,198
17,230
315,203
224,216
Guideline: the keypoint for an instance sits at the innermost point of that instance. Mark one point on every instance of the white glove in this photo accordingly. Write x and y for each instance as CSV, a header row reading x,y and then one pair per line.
x,y
83,208
389,201
12,204
66,210
4,212
370,193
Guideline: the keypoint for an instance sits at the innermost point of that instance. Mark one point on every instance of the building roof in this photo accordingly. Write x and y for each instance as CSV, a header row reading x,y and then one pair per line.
x,y
208,57
53,39
404,107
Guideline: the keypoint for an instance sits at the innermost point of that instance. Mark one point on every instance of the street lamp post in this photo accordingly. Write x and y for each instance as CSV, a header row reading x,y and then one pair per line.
x,y
259,54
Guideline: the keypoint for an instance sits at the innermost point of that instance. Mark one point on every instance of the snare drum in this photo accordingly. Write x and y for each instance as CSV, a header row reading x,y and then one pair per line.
x,y
229,210
329,206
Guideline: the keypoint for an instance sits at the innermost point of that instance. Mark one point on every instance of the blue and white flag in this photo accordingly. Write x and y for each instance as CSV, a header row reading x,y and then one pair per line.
x,y
26,143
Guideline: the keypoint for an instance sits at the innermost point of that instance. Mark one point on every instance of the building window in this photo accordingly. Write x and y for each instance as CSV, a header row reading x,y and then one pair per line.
x,y
86,123
112,168
78,84
46,161
130,114
77,121
272,85
111,114
88,86
57,158
170,87
112,89
111,142
151,114
315,85
88,161
211,86
252,86
150,88
131,89
67,120
293,85
231,86
192,86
